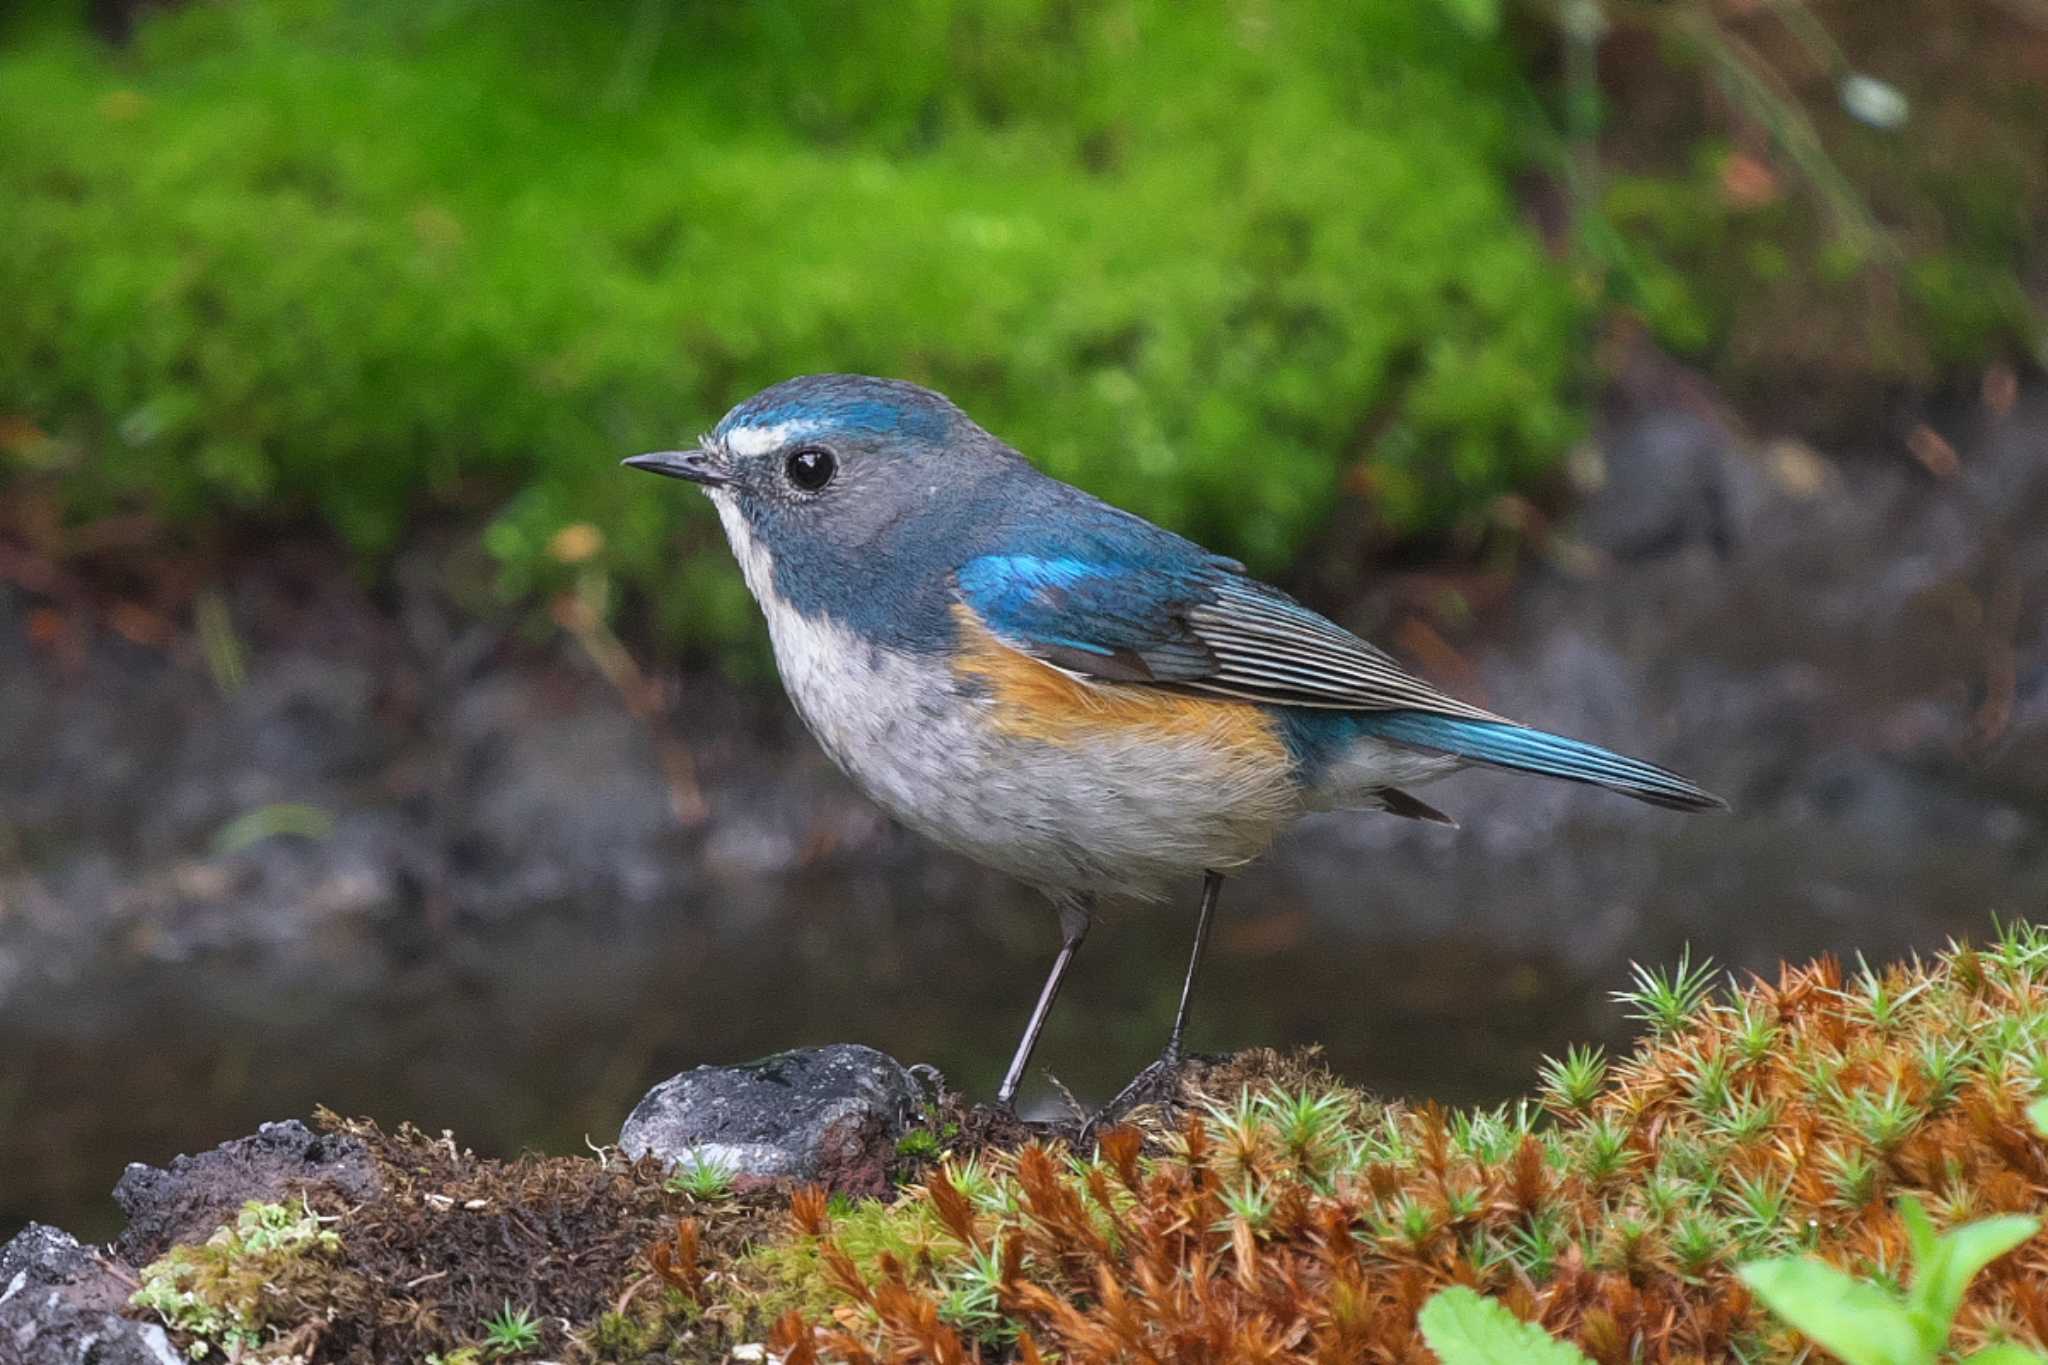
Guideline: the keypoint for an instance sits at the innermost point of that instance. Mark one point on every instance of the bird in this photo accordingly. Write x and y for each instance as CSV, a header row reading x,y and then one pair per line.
x,y
1058,688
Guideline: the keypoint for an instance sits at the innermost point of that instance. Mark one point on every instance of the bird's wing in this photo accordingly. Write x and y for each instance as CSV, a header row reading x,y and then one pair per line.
x,y
1163,612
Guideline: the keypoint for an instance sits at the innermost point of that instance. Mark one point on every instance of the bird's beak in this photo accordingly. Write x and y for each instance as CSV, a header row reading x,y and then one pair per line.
x,y
698,466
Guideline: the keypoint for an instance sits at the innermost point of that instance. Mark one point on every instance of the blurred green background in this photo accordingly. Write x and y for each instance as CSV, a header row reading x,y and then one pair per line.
x,y
362,263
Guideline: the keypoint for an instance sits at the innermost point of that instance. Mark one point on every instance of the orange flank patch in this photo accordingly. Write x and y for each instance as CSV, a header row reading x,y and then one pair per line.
x,y
1034,700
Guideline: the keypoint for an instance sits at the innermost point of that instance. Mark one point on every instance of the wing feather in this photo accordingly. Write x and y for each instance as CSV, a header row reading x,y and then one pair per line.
x,y
1195,623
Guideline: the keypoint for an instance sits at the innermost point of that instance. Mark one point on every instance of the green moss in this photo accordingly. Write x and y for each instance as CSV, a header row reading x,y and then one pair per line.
x,y
1208,260
236,1293
781,1274
921,1143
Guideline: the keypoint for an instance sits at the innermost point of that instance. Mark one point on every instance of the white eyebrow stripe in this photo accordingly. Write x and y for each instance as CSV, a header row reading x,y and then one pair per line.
x,y
745,441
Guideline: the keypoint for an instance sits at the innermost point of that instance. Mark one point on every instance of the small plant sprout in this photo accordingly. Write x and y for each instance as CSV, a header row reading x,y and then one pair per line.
x,y
1852,1176
1698,1241
1707,1077
1884,1120
511,1332
2010,1035
1570,1085
1627,1244
1606,1154
2018,954
1958,1201
1667,1001
1821,1073
1759,1214
1537,1244
1485,1253
1868,1325
1463,1203
1663,1196
1755,1031
1744,1120
1688,1156
1240,1131
919,1144
1409,1223
972,1178
702,1175
1309,1127
1878,995
1487,1136
1944,1065
1385,1141
973,1295
1250,1203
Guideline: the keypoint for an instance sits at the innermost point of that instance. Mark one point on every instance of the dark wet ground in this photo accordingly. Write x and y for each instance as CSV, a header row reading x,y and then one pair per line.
x,y
507,933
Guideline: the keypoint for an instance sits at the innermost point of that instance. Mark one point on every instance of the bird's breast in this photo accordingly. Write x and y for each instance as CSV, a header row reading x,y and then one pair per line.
x,y
887,718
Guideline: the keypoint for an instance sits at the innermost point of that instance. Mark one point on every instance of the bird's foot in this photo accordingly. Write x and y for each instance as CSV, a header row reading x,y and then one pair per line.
x,y
1158,1083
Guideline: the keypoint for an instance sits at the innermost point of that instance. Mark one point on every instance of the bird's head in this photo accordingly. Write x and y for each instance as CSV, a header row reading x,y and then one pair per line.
x,y
822,464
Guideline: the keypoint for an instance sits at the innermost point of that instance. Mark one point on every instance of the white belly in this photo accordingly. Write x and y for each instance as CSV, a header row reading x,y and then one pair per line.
x,y
1117,818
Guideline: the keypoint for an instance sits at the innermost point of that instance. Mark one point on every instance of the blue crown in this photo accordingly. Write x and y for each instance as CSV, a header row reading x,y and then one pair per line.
x,y
845,402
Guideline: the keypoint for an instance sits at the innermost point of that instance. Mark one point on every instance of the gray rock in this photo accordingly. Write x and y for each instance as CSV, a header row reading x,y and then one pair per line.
x,y
829,1114
40,1255
59,1305
187,1200
1665,481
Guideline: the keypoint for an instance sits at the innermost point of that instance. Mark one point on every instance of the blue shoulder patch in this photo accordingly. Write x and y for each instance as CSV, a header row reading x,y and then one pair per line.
x,y
1121,621
1025,595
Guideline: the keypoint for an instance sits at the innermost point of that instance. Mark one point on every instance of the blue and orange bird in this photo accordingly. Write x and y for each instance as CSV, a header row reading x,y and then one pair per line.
x,y
1055,687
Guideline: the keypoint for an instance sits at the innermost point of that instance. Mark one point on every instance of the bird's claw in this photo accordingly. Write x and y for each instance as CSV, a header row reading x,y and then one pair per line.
x,y
1158,1083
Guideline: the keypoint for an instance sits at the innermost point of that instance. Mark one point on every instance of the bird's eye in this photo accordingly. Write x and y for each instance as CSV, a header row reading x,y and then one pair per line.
x,y
811,468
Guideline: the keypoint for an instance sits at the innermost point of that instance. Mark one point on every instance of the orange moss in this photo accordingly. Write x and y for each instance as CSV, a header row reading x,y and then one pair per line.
x,y
1298,1222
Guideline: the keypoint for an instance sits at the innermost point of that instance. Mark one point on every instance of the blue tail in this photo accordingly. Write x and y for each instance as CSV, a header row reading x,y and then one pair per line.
x,y
1505,745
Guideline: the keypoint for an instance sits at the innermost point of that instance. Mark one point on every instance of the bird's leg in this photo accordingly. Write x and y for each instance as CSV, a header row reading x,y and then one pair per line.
x,y
1158,1078
1212,890
1074,915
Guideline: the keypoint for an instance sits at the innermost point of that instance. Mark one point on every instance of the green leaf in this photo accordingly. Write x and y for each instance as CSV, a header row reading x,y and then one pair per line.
x,y
1920,1239
1856,1320
2005,1354
1465,1329
1941,1280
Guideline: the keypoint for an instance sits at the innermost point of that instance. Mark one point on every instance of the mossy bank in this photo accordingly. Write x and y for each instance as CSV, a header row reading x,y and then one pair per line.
x,y
1273,1213
1221,263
